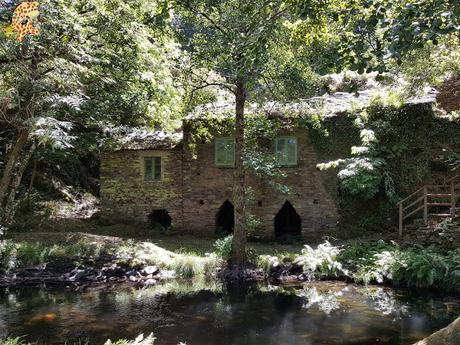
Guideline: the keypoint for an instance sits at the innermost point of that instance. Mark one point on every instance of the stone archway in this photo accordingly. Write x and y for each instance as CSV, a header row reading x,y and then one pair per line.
x,y
287,223
225,219
160,219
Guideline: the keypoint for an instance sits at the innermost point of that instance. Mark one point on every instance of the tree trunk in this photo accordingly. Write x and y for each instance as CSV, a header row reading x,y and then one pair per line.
x,y
9,205
13,160
31,183
239,234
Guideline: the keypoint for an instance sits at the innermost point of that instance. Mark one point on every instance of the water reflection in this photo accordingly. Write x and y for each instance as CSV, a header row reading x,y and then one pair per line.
x,y
203,312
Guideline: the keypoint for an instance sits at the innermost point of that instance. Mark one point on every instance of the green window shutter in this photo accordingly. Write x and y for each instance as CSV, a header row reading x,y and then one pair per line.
x,y
291,151
157,168
280,144
224,153
152,168
148,169
286,151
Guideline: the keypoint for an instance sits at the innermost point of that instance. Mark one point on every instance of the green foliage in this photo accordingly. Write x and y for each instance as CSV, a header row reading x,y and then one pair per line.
x,y
187,266
223,247
321,262
29,254
368,262
12,341
417,267
22,255
254,229
8,255
140,340
376,33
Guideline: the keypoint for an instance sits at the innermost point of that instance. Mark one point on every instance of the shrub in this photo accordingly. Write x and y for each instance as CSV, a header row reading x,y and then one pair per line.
x,y
8,256
211,263
321,262
268,262
223,247
187,266
29,254
424,268
12,341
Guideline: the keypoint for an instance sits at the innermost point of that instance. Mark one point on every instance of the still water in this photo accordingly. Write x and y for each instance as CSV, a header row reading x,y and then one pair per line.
x,y
202,313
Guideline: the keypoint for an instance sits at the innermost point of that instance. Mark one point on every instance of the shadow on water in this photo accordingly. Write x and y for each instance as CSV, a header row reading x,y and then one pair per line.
x,y
201,313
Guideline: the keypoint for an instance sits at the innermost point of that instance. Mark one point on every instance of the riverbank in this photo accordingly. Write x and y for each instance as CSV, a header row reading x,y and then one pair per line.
x,y
79,259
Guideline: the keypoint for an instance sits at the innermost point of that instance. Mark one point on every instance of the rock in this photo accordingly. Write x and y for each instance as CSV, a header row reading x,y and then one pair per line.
x,y
149,282
79,274
166,274
148,270
132,279
449,335
91,277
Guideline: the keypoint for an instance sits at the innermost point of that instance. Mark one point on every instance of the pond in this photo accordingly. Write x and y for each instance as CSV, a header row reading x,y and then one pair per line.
x,y
200,313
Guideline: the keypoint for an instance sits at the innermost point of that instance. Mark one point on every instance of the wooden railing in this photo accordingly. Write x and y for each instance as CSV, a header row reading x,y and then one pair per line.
x,y
430,196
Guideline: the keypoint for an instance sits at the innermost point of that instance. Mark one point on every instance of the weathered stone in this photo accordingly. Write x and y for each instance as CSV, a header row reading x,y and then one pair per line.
x,y
150,270
193,189
449,335
149,282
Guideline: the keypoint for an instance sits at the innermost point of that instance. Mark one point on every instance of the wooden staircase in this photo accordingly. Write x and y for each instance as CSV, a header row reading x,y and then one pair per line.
x,y
433,201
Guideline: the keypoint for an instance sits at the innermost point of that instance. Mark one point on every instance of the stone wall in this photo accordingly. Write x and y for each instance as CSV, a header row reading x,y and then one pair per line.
x,y
193,189
448,97
125,196
207,187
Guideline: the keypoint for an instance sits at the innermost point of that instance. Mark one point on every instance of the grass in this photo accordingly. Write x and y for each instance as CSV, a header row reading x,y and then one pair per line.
x,y
188,256
362,262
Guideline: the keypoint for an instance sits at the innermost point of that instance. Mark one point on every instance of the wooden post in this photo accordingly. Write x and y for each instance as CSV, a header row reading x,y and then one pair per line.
x,y
425,206
400,219
452,199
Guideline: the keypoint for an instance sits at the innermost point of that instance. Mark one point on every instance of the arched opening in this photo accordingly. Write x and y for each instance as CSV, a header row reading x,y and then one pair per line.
x,y
287,223
225,219
160,219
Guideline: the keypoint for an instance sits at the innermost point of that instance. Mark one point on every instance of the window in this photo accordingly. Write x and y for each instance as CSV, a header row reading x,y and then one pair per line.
x,y
224,153
152,168
286,151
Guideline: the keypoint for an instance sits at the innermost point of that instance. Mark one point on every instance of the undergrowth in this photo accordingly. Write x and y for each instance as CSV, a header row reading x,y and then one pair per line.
x,y
362,262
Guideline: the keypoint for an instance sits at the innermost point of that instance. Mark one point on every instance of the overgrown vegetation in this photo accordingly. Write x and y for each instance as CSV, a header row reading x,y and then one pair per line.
x,y
140,340
375,262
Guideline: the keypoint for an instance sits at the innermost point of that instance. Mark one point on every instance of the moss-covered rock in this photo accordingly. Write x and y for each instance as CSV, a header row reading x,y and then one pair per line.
x,y
447,336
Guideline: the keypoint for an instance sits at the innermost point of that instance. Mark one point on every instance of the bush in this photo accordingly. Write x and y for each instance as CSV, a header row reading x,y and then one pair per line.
x,y
321,262
8,256
32,254
187,266
223,247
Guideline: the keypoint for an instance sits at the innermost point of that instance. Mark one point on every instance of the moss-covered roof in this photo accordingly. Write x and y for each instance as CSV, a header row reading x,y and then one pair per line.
x,y
146,140
326,105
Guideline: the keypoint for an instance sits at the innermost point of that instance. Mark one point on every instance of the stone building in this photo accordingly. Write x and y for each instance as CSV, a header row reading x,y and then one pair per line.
x,y
159,179
185,182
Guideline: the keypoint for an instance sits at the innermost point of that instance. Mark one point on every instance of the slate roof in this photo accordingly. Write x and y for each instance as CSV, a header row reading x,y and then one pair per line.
x,y
146,140
327,105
